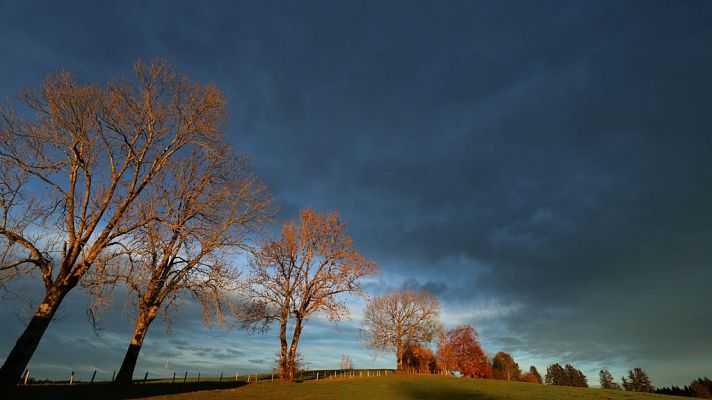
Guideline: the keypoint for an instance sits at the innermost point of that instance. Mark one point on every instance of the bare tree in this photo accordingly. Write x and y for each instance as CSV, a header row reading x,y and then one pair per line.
x,y
346,362
74,167
305,271
399,318
205,210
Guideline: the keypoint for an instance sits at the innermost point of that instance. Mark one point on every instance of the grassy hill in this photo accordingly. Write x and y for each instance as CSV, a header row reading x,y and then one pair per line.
x,y
382,388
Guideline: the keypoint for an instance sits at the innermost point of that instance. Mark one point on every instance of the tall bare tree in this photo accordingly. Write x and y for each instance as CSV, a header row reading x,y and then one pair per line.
x,y
74,166
205,210
399,318
306,271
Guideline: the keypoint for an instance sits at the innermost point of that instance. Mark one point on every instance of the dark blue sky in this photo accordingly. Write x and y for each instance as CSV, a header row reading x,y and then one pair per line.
x,y
544,167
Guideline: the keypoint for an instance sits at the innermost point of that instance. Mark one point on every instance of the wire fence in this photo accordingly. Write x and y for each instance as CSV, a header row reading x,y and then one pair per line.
x,y
34,376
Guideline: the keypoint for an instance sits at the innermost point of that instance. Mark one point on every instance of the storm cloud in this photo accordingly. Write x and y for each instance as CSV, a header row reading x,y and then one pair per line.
x,y
545,168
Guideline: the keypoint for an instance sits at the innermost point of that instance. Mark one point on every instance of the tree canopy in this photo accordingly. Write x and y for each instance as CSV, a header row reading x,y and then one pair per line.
x,y
399,318
307,270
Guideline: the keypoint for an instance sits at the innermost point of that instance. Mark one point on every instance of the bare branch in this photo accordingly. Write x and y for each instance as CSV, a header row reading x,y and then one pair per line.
x,y
399,318
304,273
73,169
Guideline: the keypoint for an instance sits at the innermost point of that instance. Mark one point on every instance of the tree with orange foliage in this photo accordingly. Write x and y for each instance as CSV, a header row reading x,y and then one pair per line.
x,y
304,272
418,359
470,359
532,376
444,356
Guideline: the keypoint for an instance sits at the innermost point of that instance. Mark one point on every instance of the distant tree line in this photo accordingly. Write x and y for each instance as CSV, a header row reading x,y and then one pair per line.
x,y
700,388
639,381
404,322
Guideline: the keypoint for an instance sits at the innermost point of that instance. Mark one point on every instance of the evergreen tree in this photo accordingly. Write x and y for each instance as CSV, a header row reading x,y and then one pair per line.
x,y
607,381
702,388
565,376
638,381
685,391
555,375
574,377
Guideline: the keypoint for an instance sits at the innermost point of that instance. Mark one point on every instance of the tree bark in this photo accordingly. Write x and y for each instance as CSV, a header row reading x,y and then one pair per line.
x,y
125,375
399,349
20,355
399,356
283,346
293,350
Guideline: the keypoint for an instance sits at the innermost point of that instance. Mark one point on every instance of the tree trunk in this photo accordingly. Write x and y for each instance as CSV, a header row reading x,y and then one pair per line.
x,y
293,350
125,375
399,354
20,356
399,346
283,346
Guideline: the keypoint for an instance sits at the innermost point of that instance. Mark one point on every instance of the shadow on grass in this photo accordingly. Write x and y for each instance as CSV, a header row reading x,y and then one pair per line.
x,y
425,390
107,391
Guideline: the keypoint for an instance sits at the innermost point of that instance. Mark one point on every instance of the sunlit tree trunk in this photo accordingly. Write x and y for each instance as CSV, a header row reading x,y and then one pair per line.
x,y
293,349
283,361
125,375
96,150
21,353
399,350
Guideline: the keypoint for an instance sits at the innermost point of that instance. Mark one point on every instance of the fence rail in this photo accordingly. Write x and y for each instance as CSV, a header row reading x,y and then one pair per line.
x,y
33,376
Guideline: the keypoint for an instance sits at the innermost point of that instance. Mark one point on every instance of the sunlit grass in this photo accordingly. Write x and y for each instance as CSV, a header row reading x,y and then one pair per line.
x,y
413,387
383,387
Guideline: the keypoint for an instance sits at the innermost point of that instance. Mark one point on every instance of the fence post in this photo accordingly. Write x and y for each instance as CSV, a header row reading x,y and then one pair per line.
x,y
71,378
220,376
185,377
27,376
236,375
248,378
93,376
174,378
145,377
198,377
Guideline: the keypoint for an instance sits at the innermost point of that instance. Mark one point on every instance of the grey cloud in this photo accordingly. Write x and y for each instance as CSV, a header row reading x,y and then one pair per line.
x,y
543,166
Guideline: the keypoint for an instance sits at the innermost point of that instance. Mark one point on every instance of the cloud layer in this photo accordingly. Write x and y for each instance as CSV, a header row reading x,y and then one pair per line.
x,y
543,167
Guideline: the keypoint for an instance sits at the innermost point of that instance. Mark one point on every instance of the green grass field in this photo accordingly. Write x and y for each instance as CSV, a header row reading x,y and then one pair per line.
x,y
383,388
